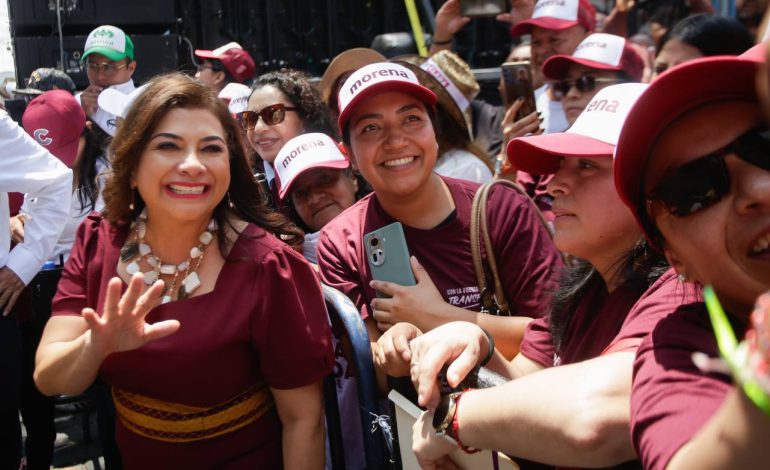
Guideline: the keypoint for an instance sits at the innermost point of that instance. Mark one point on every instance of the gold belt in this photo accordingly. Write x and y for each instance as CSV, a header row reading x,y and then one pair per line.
x,y
174,422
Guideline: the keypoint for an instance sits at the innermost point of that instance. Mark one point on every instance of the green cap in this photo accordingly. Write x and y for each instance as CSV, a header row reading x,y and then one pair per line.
x,y
110,42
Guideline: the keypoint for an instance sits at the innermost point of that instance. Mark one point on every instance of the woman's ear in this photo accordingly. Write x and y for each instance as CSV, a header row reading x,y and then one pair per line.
x,y
676,263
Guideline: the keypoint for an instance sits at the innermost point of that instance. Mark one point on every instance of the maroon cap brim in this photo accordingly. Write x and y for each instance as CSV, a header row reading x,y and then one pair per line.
x,y
545,22
204,54
539,154
418,91
556,67
335,165
673,93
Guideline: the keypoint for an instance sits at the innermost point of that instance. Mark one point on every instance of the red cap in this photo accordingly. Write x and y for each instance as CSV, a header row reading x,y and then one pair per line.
x,y
598,51
675,92
234,58
379,77
594,134
56,120
558,15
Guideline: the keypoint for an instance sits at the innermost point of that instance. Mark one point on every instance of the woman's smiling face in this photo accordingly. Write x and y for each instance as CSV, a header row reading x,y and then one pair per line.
x,y
724,244
393,143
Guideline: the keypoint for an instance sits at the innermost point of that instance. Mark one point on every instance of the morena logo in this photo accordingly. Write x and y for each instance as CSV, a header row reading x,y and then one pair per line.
x,y
607,106
373,75
41,136
301,148
550,3
438,74
592,44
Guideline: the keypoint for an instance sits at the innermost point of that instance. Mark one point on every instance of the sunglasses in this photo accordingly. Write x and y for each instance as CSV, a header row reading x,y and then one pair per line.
x,y
583,84
107,68
271,115
701,183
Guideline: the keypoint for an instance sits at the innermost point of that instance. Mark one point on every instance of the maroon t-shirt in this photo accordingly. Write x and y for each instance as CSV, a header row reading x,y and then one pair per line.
x,y
265,320
527,259
607,322
671,398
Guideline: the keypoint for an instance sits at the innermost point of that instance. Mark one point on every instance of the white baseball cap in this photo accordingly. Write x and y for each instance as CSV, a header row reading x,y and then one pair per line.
x,y
237,97
558,15
379,77
116,102
594,134
598,51
305,152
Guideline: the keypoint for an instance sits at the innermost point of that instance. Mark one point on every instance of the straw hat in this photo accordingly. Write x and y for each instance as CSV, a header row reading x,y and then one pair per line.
x,y
451,79
347,61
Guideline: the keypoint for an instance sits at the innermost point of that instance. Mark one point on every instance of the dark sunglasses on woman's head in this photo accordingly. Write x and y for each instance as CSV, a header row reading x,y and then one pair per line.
x,y
583,84
703,182
271,115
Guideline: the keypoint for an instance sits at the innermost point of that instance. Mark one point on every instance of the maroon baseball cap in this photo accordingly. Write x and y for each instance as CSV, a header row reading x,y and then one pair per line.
x,y
558,15
598,51
676,92
56,120
234,58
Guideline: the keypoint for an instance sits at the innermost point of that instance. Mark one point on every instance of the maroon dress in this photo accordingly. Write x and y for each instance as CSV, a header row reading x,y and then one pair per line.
x,y
264,322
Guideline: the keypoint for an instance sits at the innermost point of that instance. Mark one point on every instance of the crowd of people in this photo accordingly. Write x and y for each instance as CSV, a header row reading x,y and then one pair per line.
x,y
164,249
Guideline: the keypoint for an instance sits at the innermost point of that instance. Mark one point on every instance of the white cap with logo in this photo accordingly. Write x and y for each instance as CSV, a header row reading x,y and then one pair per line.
x,y
305,152
594,134
382,76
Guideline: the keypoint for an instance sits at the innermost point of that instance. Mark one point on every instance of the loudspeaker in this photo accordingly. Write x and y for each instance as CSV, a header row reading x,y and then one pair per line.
x,y
154,54
24,13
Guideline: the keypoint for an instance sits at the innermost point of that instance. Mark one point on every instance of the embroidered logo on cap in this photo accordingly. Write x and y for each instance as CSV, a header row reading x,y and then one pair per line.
x,y
560,9
601,47
41,136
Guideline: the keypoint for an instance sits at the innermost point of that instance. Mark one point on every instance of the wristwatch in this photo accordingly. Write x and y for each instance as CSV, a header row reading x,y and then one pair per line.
x,y
445,414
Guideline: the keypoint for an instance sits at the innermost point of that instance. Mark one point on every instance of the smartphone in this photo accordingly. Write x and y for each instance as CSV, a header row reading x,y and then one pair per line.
x,y
517,83
388,255
476,8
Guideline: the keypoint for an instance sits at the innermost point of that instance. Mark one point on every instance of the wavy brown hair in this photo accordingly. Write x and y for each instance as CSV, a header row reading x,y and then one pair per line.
x,y
162,94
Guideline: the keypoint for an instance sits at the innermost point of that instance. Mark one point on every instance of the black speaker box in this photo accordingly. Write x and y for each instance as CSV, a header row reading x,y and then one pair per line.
x,y
27,13
154,54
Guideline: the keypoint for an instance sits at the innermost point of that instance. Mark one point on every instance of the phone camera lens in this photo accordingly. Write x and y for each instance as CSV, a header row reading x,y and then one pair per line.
x,y
374,241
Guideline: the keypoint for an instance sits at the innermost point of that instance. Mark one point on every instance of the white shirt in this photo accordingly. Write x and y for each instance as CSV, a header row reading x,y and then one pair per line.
x,y
76,214
461,164
554,118
104,119
26,167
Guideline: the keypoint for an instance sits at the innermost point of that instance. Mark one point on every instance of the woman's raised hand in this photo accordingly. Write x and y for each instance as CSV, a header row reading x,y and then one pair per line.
x,y
122,326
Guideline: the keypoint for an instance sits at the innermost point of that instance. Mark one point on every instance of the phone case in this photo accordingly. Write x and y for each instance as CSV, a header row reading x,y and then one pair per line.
x,y
479,8
517,79
388,255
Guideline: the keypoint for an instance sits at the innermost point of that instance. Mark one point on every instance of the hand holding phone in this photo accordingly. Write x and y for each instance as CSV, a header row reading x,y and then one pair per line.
x,y
479,8
517,83
388,255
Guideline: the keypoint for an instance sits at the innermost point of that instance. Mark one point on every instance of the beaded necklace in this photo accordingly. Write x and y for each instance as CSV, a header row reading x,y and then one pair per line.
x,y
139,250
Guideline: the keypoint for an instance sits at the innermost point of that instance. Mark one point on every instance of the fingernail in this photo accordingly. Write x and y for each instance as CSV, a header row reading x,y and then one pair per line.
x,y
519,99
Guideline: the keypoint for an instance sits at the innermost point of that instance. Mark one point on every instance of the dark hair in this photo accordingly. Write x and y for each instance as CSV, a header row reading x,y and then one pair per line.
x,y
638,270
85,171
450,136
162,94
218,66
296,86
711,35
